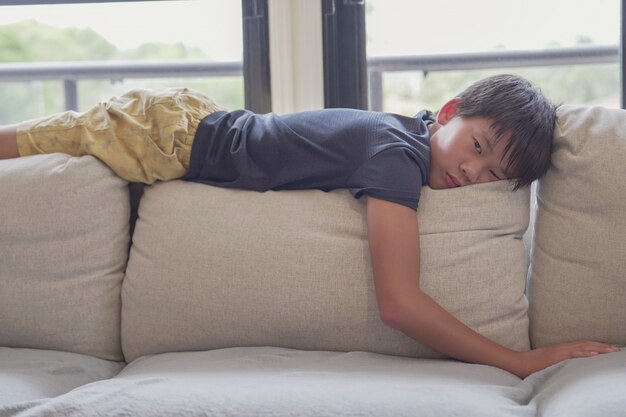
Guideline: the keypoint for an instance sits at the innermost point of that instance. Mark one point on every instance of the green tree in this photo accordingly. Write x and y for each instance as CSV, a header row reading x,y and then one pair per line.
x,y
163,51
31,41
12,48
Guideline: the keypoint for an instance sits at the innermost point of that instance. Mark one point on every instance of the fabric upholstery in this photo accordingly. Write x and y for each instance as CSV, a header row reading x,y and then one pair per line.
x,y
28,377
578,263
213,268
278,382
64,245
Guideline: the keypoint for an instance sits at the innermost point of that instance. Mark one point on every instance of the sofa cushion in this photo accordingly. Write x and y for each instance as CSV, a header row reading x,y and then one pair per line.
x,y
578,267
212,268
64,244
584,387
278,382
28,376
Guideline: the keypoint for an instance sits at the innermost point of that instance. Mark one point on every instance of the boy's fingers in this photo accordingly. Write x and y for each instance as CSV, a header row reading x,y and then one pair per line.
x,y
588,344
608,348
583,354
594,350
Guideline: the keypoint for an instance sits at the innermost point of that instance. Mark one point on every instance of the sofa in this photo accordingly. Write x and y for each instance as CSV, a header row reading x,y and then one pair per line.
x,y
183,299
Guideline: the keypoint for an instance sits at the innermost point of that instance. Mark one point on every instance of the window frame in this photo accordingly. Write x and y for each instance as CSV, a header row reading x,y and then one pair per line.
x,y
345,61
256,57
345,70
256,65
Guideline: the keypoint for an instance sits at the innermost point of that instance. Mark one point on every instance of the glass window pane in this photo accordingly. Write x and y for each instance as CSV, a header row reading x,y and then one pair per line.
x,y
189,30
415,28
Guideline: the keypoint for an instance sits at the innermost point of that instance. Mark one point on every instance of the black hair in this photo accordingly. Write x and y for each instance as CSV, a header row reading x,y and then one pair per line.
x,y
519,109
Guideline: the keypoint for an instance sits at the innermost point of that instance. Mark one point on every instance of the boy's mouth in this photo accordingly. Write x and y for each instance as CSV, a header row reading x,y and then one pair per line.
x,y
451,181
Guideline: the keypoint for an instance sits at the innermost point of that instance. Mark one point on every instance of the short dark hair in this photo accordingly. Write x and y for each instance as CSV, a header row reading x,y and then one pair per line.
x,y
516,107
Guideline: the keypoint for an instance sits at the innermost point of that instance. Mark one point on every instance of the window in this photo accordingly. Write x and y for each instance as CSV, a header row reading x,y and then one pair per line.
x,y
582,40
114,47
417,52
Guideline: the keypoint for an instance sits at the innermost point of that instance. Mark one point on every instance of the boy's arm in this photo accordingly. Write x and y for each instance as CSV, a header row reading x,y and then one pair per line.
x,y
393,236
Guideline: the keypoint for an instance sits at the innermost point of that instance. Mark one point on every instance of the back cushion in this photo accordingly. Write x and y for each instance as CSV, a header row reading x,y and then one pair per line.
x,y
213,268
63,249
578,269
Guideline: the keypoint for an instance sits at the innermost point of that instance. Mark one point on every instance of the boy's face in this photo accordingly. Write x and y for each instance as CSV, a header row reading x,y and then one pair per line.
x,y
463,150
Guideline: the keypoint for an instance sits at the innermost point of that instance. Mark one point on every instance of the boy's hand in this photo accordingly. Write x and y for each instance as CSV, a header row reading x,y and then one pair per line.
x,y
538,359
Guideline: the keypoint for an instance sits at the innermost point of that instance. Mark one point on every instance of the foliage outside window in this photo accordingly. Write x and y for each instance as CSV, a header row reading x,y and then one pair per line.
x,y
153,37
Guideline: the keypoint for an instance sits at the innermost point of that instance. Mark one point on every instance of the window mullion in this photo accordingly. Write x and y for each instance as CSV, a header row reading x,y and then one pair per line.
x,y
256,65
345,62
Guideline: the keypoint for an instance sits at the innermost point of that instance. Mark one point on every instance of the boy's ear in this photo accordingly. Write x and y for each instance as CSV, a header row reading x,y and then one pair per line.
x,y
447,112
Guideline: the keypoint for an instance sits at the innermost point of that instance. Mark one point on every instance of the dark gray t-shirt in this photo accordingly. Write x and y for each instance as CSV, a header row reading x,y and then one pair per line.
x,y
382,155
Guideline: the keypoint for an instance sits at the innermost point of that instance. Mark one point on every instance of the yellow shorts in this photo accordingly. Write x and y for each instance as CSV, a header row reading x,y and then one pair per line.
x,y
143,136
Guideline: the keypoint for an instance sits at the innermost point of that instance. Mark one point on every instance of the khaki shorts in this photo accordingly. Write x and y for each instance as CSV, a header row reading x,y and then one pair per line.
x,y
143,136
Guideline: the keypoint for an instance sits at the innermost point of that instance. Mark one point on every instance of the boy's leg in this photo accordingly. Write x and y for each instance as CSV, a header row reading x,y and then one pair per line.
x,y
143,136
8,142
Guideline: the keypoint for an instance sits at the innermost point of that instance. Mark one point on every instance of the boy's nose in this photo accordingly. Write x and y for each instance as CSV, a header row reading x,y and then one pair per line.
x,y
469,172
473,171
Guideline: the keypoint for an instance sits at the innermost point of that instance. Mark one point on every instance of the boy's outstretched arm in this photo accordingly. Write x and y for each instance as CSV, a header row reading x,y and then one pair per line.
x,y
393,236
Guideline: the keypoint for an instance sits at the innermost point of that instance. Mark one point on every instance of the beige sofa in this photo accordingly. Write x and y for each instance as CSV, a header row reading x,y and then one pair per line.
x,y
237,303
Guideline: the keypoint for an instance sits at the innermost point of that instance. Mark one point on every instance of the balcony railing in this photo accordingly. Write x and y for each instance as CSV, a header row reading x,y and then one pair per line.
x,y
487,60
71,72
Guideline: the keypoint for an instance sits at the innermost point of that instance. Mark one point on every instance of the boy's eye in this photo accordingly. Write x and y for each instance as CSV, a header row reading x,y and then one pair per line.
x,y
477,146
494,174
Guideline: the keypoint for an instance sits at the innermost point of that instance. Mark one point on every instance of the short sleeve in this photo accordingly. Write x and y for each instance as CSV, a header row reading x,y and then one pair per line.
x,y
394,174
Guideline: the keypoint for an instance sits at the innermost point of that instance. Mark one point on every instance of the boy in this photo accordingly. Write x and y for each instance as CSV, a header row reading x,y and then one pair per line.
x,y
499,128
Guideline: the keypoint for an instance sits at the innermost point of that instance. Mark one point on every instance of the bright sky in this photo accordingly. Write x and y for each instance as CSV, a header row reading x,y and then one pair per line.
x,y
394,27
212,25
402,27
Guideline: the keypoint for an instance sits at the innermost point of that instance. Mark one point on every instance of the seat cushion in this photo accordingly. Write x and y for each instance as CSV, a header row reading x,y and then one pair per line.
x,y
64,244
279,382
586,387
212,268
578,264
29,376
282,382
